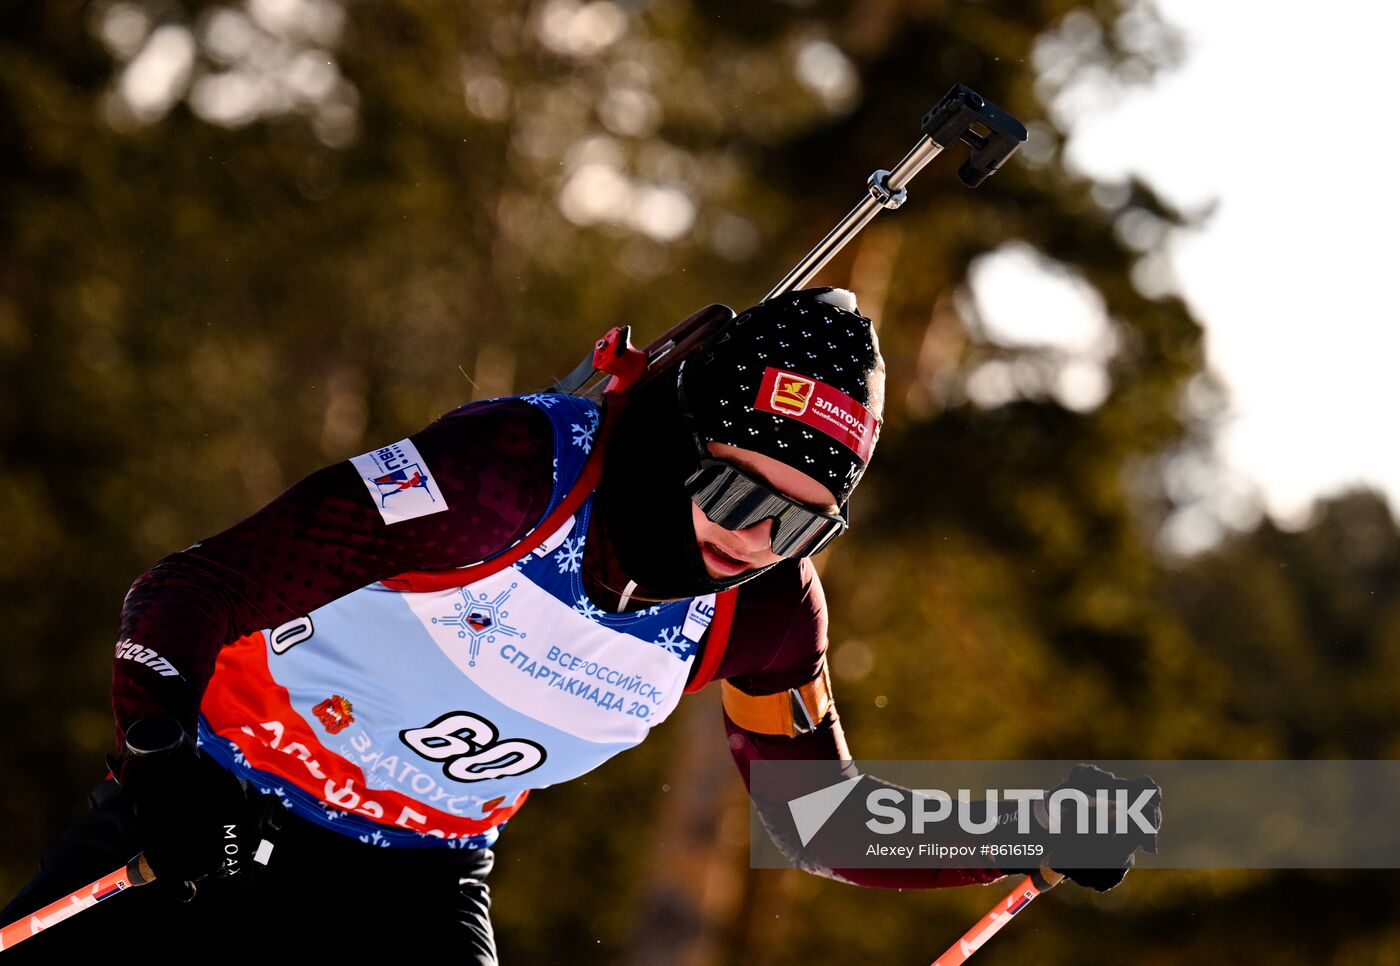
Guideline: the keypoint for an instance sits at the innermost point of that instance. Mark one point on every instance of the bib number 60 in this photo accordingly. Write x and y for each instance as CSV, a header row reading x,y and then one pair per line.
x,y
470,748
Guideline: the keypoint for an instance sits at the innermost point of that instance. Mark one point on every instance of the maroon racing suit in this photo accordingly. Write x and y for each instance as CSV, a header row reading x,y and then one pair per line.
x,y
323,538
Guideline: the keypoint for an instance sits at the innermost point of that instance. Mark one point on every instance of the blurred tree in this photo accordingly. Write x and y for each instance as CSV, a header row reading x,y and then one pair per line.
x,y
1305,628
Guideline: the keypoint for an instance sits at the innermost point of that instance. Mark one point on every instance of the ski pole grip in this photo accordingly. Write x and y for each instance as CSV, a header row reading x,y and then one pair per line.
x,y
965,115
139,871
1045,878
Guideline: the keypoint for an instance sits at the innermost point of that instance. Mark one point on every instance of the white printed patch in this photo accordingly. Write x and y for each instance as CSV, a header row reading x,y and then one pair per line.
x,y
697,619
398,479
549,664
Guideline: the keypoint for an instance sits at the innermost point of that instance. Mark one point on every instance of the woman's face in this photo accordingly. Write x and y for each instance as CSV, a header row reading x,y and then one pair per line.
x,y
728,553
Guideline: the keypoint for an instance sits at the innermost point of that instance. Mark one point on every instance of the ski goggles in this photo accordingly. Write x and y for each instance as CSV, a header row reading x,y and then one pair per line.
x,y
732,499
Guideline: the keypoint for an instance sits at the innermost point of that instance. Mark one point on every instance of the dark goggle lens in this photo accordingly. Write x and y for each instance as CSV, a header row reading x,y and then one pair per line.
x,y
735,501
796,537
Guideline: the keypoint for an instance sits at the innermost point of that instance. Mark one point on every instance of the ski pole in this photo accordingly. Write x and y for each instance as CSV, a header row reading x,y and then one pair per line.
x,y
1037,883
136,873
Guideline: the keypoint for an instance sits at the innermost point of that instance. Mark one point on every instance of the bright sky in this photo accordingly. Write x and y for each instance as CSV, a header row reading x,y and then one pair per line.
x,y
1284,112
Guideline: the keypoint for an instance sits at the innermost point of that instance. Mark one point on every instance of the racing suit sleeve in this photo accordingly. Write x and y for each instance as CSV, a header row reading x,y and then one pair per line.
x,y
788,606
491,464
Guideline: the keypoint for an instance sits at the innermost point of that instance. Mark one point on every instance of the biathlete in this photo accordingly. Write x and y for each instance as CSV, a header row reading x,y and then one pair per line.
x,y
380,665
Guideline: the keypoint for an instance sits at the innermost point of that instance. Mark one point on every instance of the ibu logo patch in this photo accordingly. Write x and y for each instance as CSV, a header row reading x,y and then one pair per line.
x,y
392,484
397,477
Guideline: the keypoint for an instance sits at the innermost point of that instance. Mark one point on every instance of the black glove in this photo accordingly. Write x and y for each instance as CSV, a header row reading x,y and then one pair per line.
x,y
194,817
1102,860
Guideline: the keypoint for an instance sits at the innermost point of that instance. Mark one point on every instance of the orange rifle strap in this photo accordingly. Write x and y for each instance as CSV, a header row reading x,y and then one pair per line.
x,y
796,711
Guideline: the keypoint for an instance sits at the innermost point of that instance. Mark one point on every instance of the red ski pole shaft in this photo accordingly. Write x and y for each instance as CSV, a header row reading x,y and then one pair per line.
x,y
1027,889
136,873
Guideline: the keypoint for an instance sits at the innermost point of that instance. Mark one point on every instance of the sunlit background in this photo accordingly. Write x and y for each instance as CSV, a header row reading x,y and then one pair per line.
x,y
1132,495
1264,133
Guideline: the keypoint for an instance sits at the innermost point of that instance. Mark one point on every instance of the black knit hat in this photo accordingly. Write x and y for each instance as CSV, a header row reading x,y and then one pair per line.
x,y
798,378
